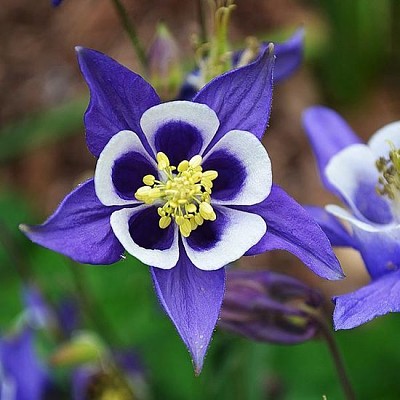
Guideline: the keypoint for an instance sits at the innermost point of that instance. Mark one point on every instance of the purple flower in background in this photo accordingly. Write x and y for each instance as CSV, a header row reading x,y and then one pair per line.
x,y
183,186
56,3
289,56
366,177
269,307
22,375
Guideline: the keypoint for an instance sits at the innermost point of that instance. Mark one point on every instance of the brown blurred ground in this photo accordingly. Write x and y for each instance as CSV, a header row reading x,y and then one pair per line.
x,y
38,70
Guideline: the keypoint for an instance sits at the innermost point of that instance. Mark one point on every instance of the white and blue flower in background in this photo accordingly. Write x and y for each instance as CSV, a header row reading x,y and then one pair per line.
x,y
366,177
289,56
185,187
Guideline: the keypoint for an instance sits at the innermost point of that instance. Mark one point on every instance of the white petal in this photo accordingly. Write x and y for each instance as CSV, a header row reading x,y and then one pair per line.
x,y
350,169
241,231
202,117
123,142
164,259
380,143
252,155
341,213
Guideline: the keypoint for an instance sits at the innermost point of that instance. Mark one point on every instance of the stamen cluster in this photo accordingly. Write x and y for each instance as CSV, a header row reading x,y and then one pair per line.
x,y
185,193
389,181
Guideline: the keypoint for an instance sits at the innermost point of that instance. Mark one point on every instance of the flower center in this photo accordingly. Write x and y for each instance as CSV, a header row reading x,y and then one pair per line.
x,y
183,191
389,180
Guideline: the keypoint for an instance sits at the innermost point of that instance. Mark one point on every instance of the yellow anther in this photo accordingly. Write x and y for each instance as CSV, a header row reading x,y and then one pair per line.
x,y
162,160
210,175
183,165
180,220
207,183
191,208
149,180
206,211
195,161
164,222
198,219
185,228
193,224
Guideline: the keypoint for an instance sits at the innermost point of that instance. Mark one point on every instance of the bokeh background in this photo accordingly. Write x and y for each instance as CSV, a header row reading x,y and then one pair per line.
x,y
352,63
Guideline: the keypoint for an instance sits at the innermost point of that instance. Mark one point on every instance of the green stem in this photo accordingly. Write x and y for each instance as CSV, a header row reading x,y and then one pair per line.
x,y
202,21
131,31
337,358
87,304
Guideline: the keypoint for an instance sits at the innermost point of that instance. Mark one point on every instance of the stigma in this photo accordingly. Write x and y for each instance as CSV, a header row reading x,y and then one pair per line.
x,y
183,193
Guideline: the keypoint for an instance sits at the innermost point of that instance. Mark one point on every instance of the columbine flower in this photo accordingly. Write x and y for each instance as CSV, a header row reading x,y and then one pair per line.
x,y
183,186
269,307
289,55
367,180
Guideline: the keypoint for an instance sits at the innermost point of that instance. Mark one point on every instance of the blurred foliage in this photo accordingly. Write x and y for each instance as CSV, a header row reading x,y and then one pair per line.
x,y
42,128
358,46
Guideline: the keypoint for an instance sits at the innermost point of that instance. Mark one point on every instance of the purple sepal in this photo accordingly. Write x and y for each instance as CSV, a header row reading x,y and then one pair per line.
x,y
337,234
380,297
118,99
80,228
192,298
242,97
291,228
289,56
22,368
269,307
380,250
328,133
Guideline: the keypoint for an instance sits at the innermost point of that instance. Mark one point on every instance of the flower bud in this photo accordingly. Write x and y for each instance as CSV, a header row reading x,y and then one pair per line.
x,y
164,66
269,307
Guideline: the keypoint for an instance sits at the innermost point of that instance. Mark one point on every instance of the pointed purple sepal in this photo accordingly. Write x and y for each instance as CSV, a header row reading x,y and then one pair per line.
x,y
118,99
328,134
291,228
192,298
380,297
242,97
80,228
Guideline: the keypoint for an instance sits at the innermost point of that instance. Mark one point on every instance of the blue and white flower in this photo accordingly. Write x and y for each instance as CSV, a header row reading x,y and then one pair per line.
x,y
289,56
366,177
184,186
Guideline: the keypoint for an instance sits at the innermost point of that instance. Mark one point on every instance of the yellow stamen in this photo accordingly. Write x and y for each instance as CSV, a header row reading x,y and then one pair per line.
x,y
184,196
389,179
